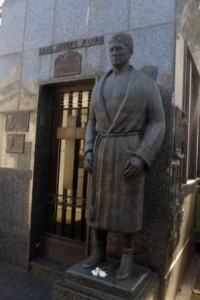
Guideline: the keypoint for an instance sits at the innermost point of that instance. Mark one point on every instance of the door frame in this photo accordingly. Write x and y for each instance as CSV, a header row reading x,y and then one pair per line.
x,y
40,178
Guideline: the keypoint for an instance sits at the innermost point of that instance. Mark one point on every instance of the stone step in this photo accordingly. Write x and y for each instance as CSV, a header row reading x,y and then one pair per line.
x,y
53,271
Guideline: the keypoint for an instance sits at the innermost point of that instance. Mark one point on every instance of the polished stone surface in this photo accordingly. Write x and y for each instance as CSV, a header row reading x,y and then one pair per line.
x,y
70,21
10,66
39,23
20,202
29,80
93,60
45,67
152,46
145,13
31,66
108,18
14,208
14,250
12,26
24,161
14,216
155,46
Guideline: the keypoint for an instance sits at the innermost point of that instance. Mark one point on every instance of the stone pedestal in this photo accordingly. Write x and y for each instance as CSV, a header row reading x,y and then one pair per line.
x,y
81,284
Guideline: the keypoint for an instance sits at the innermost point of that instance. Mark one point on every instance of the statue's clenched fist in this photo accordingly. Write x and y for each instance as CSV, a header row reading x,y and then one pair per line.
x,y
88,162
134,167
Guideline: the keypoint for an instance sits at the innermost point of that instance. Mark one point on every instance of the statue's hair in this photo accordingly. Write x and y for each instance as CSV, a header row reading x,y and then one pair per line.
x,y
124,38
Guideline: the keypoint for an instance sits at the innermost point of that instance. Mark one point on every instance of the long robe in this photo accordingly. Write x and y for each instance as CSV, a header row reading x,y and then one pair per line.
x,y
137,129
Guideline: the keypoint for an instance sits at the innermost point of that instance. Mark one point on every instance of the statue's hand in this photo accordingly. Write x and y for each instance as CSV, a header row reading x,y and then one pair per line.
x,y
133,167
88,162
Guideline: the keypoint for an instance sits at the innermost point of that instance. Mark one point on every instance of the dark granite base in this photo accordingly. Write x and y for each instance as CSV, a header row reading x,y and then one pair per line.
x,y
80,283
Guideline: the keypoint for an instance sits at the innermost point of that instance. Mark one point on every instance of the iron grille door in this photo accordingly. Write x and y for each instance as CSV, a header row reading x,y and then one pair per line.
x,y
65,203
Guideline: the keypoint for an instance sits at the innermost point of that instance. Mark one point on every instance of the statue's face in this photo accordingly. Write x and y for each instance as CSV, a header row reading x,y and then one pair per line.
x,y
119,54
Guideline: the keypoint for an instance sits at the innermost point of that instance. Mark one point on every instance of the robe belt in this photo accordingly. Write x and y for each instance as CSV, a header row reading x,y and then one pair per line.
x,y
101,135
117,134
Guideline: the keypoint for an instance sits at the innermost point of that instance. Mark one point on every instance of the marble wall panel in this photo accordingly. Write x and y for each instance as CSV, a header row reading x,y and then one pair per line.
x,y
105,56
7,160
14,201
39,23
152,46
29,82
10,66
12,26
2,134
6,200
32,127
71,18
107,16
45,67
93,60
14,250
20,205
23,161
145,13
155,46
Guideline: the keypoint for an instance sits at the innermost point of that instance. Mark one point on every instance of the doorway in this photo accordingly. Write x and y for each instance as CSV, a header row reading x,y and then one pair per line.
x,y
59,164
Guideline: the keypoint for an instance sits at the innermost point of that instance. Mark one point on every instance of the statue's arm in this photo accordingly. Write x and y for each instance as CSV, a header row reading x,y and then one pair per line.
x,y
153,134
89,145
90,137
155,126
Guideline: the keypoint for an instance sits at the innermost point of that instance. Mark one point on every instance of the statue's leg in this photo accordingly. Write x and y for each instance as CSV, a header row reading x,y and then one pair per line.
x,y
126,264
99,253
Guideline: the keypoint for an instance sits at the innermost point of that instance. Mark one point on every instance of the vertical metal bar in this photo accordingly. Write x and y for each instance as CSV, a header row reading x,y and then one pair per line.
x,y
89,97
63,220
83,212
75,182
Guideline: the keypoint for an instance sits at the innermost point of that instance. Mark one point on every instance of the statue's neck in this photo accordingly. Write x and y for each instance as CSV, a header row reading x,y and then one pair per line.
x,y
121,70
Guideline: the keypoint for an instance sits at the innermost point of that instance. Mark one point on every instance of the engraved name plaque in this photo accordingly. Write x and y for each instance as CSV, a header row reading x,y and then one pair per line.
x,y
67,64
15,143
18,121
93,41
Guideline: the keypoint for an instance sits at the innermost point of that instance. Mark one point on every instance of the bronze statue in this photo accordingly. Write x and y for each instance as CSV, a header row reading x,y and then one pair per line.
x,y
124,132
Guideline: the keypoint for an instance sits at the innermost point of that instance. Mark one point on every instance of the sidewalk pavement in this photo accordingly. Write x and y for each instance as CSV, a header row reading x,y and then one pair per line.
x,y
190,287
17,284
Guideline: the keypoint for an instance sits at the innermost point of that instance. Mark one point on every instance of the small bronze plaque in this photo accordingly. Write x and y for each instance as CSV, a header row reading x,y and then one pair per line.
x,y
67,64
18,121
15,143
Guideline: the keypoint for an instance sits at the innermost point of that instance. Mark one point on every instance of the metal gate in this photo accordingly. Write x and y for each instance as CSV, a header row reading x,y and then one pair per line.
x,y
65,203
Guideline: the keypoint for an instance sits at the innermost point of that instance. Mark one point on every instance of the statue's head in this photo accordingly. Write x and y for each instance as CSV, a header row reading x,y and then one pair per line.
x,y
121,48
124,39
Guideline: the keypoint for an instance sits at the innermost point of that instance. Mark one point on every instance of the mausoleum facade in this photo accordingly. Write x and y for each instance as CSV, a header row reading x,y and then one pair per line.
x,y
52,52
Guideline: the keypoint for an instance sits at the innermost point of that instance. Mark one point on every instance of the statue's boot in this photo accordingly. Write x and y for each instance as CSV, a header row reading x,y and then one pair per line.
x,y
126,264
98,256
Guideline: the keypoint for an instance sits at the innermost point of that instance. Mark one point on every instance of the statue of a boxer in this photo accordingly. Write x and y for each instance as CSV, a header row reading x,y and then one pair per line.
x,y
124,132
